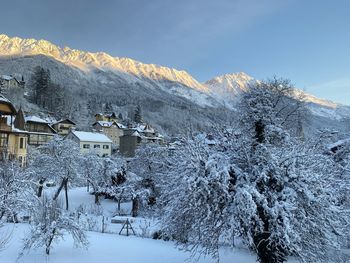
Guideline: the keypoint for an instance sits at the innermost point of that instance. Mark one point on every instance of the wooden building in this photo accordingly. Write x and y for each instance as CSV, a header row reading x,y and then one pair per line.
x,y
63,126
39,130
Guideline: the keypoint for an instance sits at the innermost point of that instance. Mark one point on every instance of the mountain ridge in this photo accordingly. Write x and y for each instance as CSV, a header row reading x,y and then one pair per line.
x,y
223,88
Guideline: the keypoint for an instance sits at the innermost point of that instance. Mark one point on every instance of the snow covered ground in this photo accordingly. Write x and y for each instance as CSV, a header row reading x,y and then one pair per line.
x,y
109,246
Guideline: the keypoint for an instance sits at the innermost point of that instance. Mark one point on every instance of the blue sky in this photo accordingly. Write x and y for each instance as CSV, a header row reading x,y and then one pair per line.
x,y
306,41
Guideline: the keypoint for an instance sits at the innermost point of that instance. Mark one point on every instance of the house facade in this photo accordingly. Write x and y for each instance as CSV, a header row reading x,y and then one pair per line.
x,y
113,130
63,126
13,141
92,142
135,136
10,82
39,130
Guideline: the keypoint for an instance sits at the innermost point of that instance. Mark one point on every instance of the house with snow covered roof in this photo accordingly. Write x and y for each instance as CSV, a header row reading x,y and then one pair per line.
x,y
112,129
39,130
109,117
92,142
8,82
13,141
63,126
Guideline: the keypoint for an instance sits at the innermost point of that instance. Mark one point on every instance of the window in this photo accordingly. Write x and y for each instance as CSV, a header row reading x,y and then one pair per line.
x,y
3,139
86,146
21,143
105,146
97,146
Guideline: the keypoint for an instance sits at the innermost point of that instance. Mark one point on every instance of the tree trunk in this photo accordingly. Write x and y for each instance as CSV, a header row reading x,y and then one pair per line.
x,y
119,201
97,201
66,193
48,244
59,189
41,187
135,207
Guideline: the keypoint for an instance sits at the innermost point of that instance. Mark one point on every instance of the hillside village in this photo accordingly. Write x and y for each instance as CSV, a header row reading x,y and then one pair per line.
x,y
109,133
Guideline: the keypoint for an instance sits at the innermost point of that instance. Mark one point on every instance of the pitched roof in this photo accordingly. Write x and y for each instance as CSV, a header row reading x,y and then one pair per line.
x,y
5,101
91,137
35,119
64,120
8,78
109,124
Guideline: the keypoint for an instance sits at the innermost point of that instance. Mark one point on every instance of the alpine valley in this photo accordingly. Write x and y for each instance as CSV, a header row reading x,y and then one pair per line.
x,y
172,100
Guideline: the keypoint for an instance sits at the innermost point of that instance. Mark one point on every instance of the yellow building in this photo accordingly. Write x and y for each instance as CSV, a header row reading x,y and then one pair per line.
x,y
13,141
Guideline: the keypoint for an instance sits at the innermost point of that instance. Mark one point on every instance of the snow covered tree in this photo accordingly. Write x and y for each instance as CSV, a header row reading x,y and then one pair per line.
x,y
282,186
96,171
263,185
272,102
126,186
197,199
57,160
152,163
50,222
13,190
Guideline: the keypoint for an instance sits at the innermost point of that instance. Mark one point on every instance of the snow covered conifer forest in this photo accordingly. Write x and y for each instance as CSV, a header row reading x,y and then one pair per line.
x,y
257,188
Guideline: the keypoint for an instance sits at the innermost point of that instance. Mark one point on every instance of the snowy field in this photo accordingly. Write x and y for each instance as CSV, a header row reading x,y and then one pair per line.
x,y
109,247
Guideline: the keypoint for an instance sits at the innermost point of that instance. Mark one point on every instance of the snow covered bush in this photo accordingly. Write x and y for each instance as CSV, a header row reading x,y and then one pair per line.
x,y
49,224
13,190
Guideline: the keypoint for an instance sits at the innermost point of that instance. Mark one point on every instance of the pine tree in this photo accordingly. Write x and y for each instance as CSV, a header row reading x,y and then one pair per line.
x,y
40,86
138,115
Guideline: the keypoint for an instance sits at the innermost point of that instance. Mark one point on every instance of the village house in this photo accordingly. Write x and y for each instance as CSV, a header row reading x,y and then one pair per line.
x,y
135,136
92,142
39,130
13,141
109,117
63,126
113,130
10,82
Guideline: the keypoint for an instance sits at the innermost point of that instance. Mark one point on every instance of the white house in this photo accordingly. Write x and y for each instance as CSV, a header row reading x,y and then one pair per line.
x,y
92,142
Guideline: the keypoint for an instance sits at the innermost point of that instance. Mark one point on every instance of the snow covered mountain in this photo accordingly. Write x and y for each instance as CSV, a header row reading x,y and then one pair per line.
x,y
161,90
228,87
129,70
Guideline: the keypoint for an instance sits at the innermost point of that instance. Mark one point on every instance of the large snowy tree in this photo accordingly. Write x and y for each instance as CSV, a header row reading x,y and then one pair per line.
x,y
263,185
